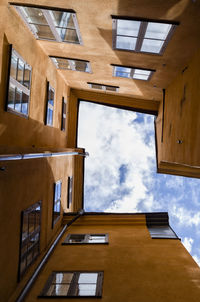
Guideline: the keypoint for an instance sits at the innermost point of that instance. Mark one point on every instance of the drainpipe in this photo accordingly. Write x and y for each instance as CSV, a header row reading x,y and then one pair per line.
x,y
30,282
6,157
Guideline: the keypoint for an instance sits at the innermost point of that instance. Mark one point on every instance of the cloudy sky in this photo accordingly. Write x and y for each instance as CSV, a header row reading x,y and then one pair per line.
x,y
120,173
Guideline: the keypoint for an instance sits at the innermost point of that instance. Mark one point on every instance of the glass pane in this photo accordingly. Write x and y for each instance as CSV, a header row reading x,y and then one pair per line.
x,y
25,227
27,74
58,290
35,15
63,63
11,96
49,117
62,278
25,99
87,278
29,257
110,88
31,222
157,30
50,96
126,43
20,71
81,66
153,46
18,97
141,71
95,86
44,32
59,190
140,77
68,35
22,265
64,107
13,67
62,19
128,28
76,238
86,289
96,239
122,72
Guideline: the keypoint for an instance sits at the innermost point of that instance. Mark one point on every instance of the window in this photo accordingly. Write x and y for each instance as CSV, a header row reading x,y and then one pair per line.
x,y
69,190
19,85
141,35
132,72
103,87
86,239
71,64
163,231
73,284
50,104
30,237
56,202
63,121
50,23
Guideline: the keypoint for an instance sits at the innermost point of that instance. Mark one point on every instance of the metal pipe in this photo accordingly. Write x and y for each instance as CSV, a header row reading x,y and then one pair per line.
x,y
30,282
6,157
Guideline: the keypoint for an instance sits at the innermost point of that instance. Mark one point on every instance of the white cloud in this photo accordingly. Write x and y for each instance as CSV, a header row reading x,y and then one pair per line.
x,y
188,242
186,217
197,259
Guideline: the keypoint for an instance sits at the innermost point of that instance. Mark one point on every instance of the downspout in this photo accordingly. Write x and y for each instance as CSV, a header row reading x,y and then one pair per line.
x,y
5,157
31,281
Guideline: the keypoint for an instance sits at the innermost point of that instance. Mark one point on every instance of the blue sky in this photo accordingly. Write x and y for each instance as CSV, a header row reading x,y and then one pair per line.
x,y
120,173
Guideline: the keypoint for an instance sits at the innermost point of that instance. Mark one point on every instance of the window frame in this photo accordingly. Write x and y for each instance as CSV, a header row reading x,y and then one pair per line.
x,y
49,21
64,114
29,236
17,84
141,33
86,239
69,191
48,105
55,202
70,63
103,87
152,71
72,287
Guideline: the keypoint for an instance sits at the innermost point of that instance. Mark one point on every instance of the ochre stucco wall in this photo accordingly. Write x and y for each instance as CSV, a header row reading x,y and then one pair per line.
x,y
136,267
181,122
14,129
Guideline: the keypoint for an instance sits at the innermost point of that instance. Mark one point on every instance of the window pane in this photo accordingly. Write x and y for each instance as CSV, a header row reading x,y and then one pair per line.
x,y
126,43
86,290
80,65
128,28
27,74
11,96
63,63
87,278
140,77
110,88
25,99
157,30
95,86
153,46
44,32
20,71
13,67
35,15
18,98
141,71
58,290
49,117
76,238
96,239
62,278
68,35
62,19
122,72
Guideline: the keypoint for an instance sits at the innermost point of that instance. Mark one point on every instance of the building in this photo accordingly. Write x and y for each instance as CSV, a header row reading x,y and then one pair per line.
x,y
137,55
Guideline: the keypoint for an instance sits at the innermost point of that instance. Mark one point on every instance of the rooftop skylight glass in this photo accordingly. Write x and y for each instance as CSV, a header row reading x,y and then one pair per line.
x,y
141,36
50,24
132,72
103,87
71,64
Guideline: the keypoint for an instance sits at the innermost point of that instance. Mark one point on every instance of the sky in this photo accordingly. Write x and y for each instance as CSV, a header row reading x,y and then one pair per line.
x,y
120,172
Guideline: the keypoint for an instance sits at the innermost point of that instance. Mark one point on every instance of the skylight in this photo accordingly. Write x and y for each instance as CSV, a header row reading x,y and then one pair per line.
x,y
50,23
141,35
103,87
132,72
71,64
